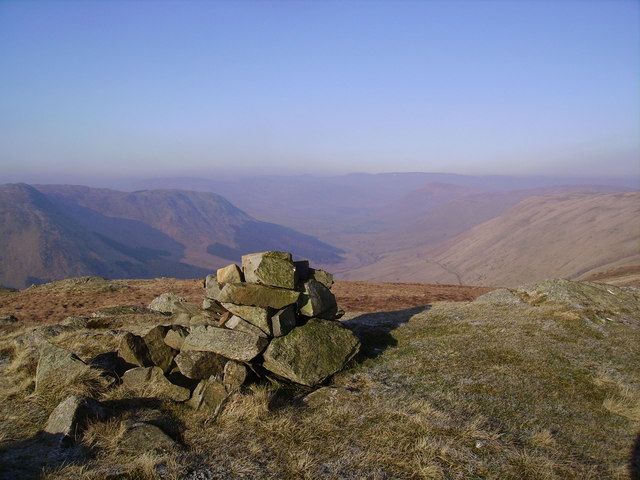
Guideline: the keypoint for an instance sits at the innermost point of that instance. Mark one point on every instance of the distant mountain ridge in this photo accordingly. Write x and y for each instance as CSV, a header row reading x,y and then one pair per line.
x,y
55,231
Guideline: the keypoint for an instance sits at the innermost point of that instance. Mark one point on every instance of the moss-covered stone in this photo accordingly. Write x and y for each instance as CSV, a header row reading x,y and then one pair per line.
x,y
258,295
275,269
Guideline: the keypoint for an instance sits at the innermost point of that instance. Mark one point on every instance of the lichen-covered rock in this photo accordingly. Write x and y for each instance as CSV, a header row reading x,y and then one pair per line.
x,y
229,274
142,437
133,349
311,353
200,365
160,353
275,269
257,316
258,295
212,288
232,344
318,301
209,395
321,276
150,382
283,321
175,336
57,366
70,416
169,303
236,323
235,374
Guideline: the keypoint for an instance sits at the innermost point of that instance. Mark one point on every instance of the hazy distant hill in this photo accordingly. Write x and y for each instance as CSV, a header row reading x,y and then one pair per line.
x,y
562,235
59,231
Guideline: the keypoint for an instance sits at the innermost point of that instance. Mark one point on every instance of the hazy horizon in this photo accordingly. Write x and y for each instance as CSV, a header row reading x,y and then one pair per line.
x,y
108,90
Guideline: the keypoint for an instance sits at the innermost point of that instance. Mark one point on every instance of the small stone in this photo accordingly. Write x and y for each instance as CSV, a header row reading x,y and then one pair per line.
x,y
133,349
161,354
232,344
175,336
321,276
236,323
200,365
257,295
283,321
168,303
318,301
212,306
229,274
211,287
275,269
70,416
235,374
311,353
257,316
141,437
150,382
57,366
209,395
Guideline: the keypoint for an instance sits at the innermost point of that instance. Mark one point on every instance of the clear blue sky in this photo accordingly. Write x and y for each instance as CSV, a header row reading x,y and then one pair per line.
x,y
179,88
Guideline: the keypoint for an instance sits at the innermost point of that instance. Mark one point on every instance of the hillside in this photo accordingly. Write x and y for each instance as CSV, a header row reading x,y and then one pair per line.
x,y
562,235
59,231
535,383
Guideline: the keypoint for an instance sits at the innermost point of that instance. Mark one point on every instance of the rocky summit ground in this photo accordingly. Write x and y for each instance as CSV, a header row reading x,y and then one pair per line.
x,y
537,382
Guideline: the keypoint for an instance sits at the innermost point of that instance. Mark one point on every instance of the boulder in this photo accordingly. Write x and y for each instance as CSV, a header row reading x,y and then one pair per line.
x,y
229,274
257,295
275,269
321,276
200,365
257,316
141,437
150,382
232,344
168,303
235,374
209,395
175,336
211,287
311,353
283,321
57,366
236,323
133,349
71,415
318,301
160,353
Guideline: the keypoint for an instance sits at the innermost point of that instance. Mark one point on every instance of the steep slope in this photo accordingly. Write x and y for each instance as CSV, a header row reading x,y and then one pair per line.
x,y
210,229
567,235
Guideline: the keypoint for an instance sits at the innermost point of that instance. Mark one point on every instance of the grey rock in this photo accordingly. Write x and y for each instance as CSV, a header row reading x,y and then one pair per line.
x,y
311,353
236,323
175,336
318,301
141,437
57,366
235,374
160,353
212,288
209,395
228,343
133,349
70,416
257,316
150,382
229,274
169,303
275,269
321,276
283,321
200,365
257,295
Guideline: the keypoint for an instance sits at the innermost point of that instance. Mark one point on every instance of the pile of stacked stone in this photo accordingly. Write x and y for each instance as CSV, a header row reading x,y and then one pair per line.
x,y
271,317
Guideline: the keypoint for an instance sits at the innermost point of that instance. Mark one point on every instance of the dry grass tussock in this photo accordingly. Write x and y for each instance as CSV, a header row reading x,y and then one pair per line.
x,y
458,391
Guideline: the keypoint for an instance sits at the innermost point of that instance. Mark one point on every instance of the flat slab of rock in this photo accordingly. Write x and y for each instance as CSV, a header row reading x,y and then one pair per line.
x,y
311,353
150,382
57,366
236,323
258,295
283,321
141,437
200,365
71,415
275,269
257,316
232,344
318,301
229,274
209,395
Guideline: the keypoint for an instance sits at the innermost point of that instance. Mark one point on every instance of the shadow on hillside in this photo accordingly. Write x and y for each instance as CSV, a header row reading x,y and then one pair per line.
x,y
374,329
